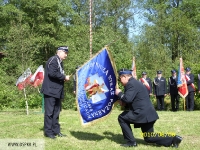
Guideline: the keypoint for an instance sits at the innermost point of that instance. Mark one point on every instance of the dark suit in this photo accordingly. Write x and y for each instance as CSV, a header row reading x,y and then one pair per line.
x,y
149,90
173,91
141,113
160,89
53,90
190,97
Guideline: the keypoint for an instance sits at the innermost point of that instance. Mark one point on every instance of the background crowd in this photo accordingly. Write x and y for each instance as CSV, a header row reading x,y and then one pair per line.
x,y
160,87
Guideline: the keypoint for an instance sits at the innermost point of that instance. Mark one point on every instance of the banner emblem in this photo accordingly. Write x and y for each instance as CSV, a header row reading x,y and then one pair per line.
x,y
95,90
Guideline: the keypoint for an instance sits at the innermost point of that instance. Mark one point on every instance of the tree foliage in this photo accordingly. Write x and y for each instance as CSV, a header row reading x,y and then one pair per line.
x,y
30,32
171,32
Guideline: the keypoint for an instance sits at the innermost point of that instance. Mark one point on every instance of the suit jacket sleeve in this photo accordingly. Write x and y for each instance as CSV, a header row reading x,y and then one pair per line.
x,y
150,84
169,85
129,95
165,86
191,79
154,88
54,70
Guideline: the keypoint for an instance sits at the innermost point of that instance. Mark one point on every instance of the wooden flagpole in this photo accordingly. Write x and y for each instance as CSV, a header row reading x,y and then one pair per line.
x,y
26,101
90,28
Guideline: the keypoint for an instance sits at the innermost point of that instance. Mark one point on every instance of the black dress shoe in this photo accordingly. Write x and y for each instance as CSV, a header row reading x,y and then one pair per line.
x,y
176,141
60,135
129,144
50,136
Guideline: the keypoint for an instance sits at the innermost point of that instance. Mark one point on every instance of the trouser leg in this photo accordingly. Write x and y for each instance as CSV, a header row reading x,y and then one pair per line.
x,y
152,137
56,113
48,115
186,102
125,126
177,101
173,102
158,102
162,102
191,101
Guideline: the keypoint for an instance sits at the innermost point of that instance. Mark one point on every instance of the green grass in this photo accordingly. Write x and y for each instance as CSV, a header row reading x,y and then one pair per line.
x,y
102,135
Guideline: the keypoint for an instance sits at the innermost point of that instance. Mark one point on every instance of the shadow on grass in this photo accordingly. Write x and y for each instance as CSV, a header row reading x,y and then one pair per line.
x,y
86,136
117,138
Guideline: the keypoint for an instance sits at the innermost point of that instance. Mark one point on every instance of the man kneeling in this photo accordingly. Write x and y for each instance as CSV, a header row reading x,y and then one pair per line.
x,y
140,112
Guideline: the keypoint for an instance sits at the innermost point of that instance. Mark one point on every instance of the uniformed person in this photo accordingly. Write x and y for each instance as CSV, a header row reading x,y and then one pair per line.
x,y
141,113
191,89
53,90
173,91
146,82
198,82
160,90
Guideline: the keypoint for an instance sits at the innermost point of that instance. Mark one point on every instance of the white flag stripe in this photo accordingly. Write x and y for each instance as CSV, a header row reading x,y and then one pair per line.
x,y
39,69
23,77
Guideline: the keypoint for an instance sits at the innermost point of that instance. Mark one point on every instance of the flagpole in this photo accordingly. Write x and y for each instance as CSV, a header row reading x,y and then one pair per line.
x,y
134,68
90,28
26,102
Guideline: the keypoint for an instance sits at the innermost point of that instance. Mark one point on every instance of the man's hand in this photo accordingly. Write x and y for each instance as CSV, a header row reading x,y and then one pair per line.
x,y
67,78
117,91
121,103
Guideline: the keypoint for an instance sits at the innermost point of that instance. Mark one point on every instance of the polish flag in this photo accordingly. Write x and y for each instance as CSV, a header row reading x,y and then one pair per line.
x,y
38,76
24,79
182,83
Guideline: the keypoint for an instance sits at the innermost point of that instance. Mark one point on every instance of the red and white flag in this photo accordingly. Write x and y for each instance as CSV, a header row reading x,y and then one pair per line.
x,y
134,68
182,83
24,79
38,76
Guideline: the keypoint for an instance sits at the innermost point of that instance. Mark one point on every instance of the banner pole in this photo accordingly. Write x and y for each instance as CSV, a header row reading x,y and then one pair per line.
x,y
26,102
184,104
90,28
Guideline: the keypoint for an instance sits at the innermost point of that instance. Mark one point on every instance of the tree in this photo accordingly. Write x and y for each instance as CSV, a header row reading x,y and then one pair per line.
x,y
170,31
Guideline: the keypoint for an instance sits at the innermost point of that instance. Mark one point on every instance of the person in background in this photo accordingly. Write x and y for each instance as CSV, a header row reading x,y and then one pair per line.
x,y
191,89
173,91
160,90
146,82
141,113
53,90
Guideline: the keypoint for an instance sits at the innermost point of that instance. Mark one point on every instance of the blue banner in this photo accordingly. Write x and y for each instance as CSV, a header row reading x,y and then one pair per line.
x,y
96,83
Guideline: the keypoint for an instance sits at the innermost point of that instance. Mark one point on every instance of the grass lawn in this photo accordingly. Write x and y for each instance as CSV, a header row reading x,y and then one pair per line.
x,y
105,135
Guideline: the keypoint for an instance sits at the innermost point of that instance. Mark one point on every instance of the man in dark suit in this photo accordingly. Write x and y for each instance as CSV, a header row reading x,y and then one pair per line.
x,y
191,89
141,113
146,82
160,90
53,90
173,91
